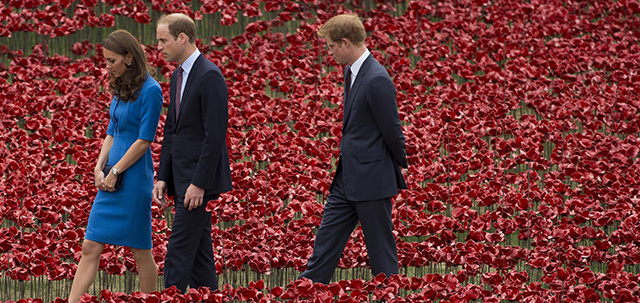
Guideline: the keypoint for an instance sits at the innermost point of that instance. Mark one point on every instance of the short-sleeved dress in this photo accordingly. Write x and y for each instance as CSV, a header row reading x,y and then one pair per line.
x,y
123,217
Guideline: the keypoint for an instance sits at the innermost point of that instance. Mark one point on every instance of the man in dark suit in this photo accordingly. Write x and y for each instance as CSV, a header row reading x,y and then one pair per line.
x,y
372,155
194,161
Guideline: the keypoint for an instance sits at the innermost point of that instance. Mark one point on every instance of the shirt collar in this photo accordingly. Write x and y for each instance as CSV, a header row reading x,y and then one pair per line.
x,y
355,67
188,64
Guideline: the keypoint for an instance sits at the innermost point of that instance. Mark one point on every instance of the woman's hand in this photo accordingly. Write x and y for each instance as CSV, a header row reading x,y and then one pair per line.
x,y
110,182
99,179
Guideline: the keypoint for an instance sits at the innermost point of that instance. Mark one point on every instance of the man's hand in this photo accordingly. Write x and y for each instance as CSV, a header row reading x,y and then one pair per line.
x,y
159,192
403,170
193,197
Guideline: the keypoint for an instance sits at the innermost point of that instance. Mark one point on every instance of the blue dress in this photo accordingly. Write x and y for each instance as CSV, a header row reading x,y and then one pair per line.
x,y
123,217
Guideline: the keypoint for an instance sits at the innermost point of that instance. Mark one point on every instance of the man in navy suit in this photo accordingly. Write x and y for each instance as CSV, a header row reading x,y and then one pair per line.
x,y
194,161
372,155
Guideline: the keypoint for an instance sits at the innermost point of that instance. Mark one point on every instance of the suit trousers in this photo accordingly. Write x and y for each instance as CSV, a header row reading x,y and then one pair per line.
x,y
338,221
189,259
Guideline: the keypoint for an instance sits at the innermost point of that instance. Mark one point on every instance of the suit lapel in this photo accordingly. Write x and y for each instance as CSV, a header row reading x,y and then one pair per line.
x,y
190,80
348,104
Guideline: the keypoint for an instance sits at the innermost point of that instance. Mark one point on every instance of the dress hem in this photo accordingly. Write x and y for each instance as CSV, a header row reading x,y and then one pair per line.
x,y
116,243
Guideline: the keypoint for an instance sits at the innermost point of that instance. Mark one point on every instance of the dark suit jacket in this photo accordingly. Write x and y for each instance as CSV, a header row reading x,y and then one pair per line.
x,y
194,149
372,145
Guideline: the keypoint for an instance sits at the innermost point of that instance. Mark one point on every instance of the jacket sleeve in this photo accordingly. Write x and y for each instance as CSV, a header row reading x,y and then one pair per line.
x,y
213,94
381,96
164,169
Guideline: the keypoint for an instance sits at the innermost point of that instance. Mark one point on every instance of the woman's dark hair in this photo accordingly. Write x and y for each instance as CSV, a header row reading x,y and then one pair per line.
x,y
127,86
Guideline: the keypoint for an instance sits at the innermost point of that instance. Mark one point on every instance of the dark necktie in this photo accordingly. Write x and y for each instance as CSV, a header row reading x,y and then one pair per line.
x,y
178,89
347,83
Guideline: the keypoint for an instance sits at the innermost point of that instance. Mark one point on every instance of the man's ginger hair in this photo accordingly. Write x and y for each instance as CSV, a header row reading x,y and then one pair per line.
x,y
344,26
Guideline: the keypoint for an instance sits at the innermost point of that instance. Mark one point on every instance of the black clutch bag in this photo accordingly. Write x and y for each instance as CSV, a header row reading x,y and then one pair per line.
x,y
107,170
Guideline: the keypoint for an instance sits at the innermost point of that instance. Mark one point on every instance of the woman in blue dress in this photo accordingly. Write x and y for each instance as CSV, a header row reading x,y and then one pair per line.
x,y
122,216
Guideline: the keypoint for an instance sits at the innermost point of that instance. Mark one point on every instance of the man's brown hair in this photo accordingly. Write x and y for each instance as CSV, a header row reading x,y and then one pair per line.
x,y
179,23
344,26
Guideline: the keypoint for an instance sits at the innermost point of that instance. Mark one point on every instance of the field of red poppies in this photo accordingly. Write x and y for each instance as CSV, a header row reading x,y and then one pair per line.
x,y
521,118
